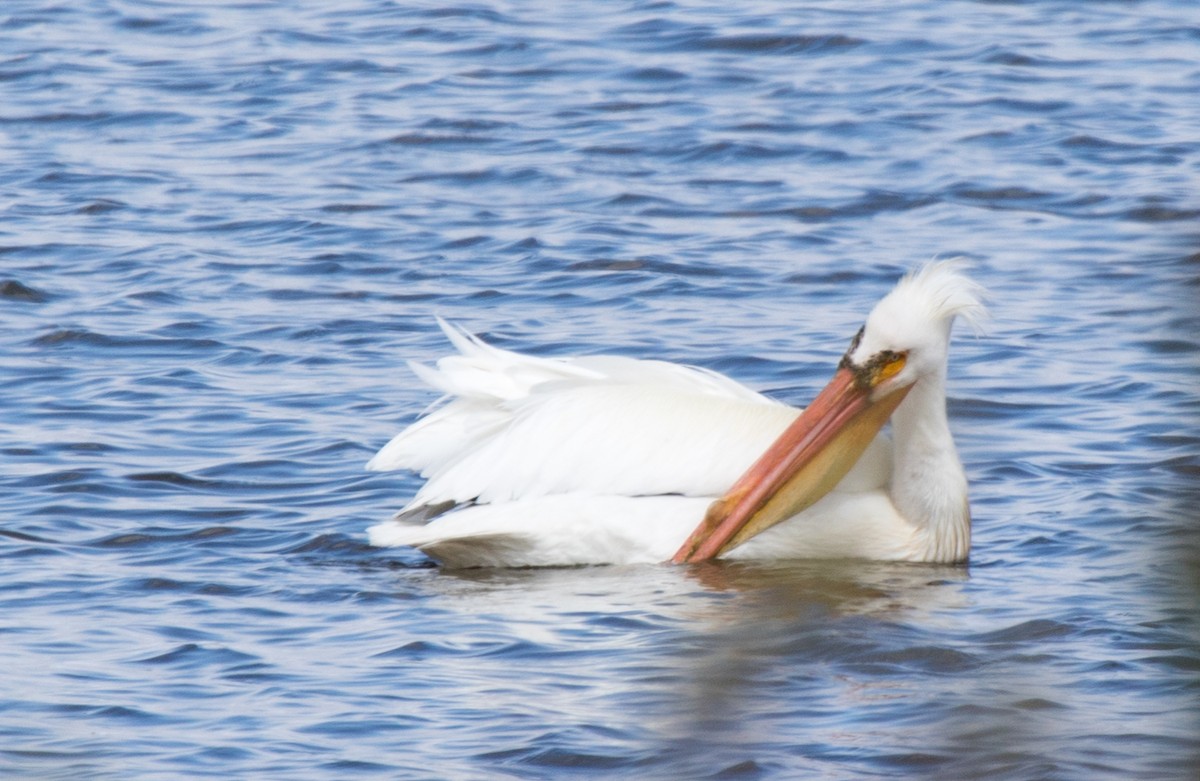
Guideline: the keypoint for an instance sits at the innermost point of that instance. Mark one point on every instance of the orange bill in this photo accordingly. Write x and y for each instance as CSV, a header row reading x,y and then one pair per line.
x,y
811,457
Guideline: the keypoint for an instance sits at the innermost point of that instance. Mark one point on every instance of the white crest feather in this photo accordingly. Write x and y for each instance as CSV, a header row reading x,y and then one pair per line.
x,y
941,290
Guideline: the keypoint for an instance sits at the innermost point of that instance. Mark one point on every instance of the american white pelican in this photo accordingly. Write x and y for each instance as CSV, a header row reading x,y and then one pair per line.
x,y
604,459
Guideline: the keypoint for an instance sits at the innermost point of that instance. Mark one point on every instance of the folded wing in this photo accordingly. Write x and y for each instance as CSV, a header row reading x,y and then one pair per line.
x,y
519,427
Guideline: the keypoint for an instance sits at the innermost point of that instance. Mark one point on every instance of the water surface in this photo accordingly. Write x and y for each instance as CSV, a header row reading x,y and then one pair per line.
x,y
226,227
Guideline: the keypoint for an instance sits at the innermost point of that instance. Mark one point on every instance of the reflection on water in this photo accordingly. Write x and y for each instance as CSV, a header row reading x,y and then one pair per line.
x,y
840,637
732,654
776,593
774,590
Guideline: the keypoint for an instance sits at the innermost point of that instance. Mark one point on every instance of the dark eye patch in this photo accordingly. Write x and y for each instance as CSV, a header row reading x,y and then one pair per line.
x,y
882,358
865,374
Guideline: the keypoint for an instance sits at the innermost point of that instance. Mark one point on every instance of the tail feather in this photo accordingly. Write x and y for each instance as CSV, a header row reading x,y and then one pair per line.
x,y
481,384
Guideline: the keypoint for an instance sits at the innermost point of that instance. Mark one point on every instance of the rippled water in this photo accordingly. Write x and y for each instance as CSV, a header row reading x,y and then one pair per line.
x,y
226,225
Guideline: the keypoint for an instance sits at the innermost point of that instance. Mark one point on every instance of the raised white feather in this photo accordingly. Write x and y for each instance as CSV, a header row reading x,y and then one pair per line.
x,y
607,459
519,427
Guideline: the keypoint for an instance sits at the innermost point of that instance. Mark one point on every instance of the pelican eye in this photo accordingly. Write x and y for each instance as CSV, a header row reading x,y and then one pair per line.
x,y
887,365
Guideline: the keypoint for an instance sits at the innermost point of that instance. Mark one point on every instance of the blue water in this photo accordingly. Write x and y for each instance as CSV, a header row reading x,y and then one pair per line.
x,y
225,226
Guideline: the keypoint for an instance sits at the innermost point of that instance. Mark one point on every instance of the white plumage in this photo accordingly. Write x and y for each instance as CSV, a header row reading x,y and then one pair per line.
x,y
605,459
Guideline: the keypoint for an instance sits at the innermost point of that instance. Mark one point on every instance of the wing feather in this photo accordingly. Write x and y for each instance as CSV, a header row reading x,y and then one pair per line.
x,y
516,426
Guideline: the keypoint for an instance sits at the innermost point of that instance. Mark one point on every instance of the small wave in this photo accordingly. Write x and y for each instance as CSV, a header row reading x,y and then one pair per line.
x,y
774,44
101,206
1156,213
1026,631
22,536
173,478
139,539
12,290
83,337
332,543
195,655
443,140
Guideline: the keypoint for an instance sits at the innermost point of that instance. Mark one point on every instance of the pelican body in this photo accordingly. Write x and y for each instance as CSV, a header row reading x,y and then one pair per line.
x,y
608,460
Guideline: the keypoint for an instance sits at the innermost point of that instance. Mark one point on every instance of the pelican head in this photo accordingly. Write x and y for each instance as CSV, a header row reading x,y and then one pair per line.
x,y
903,344
907,335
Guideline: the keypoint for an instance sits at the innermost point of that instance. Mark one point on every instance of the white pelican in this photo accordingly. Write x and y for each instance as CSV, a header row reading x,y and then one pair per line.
x,y
604,459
